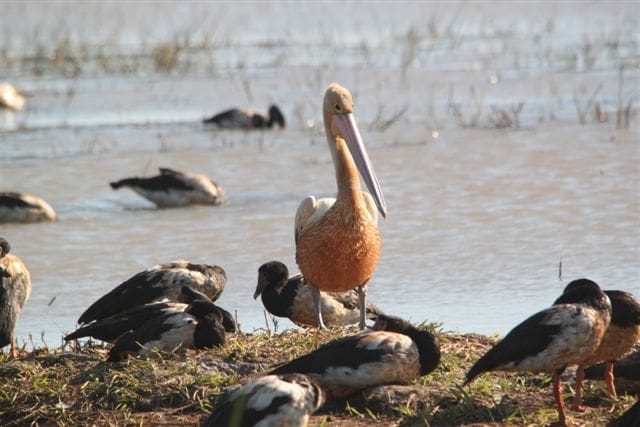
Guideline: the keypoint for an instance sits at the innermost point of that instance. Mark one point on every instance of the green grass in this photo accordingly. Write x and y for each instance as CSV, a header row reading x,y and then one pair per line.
x,y
74,388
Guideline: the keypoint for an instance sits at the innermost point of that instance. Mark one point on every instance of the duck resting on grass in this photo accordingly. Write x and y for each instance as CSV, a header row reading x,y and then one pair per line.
x,y
15,290
620,337
160,283
190,301
110,328
201,305
22,207
394,352
270,401
338,244
552,339
169,332
173,188
236,118
291,297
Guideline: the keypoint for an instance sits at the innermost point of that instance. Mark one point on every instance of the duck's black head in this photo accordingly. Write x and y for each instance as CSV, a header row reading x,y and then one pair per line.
x,y
314,394
272,273
188,295
276,117
427,343
209,332
585,291
385,322
625,309
199,309
5,247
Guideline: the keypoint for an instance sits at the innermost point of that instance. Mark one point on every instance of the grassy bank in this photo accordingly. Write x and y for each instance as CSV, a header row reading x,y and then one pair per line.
x,y
78,388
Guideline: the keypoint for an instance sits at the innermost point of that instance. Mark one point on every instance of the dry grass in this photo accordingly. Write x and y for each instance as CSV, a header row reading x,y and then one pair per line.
x,y
78,388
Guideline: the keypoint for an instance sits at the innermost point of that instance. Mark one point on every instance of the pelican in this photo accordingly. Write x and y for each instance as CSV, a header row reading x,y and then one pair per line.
x,y
552,339
14,292
236,118
337,241
173,188
22,207
620,337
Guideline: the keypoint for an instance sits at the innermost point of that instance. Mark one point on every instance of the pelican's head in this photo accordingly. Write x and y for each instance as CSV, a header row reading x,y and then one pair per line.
x,y
340,123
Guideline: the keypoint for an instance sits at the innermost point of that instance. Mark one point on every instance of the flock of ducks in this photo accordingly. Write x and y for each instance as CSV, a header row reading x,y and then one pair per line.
x,y
168,189
338,246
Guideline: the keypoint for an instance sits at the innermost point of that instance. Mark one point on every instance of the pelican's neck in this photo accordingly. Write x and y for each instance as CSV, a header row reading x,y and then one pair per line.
x,y
347,178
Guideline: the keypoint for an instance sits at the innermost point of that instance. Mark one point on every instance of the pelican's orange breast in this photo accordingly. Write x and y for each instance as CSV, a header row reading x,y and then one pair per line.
x,y
340,251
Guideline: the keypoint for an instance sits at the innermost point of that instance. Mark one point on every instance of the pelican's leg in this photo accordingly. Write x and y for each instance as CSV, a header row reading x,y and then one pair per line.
x,y
608,378
315,294
362,305
577,399
557,393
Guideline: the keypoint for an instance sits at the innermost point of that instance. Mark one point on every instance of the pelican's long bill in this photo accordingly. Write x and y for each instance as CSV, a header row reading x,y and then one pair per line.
x,y
348,128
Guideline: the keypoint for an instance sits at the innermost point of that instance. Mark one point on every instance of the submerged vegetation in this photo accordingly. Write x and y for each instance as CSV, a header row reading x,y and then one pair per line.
x,y
78,387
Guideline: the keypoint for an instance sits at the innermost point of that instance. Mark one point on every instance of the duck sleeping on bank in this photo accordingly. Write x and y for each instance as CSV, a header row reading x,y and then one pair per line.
x,y
169,332
394,352
236,118
292,297
172,188
160,283
270,401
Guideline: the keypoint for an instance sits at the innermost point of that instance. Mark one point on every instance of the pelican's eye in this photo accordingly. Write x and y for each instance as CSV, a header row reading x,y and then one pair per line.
x,y
338,108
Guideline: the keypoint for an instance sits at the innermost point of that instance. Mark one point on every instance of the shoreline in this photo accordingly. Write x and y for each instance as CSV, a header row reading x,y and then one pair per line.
x,y
59,386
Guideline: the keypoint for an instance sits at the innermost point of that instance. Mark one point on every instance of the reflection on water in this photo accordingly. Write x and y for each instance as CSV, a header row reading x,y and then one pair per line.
x,y
479,218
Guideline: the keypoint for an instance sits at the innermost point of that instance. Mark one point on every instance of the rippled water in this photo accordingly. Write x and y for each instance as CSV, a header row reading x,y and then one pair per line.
x,y
479,217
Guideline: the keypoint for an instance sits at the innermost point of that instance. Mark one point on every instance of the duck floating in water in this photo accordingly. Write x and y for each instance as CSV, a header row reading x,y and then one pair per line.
x,y
10,97
552,339
22,207
247,119
14,292
169,332
160,283
620,337
394,352
338,244
291,297
173,188
270,401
